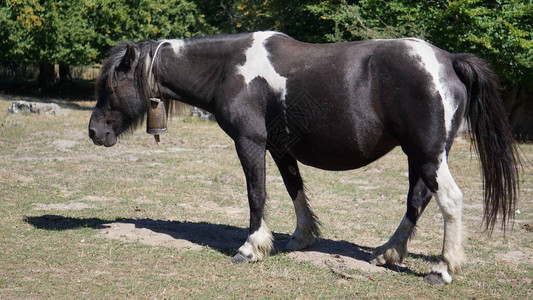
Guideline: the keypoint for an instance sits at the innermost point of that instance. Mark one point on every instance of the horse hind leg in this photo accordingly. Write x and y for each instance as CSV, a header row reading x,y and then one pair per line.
x,y
450,201
395,250
307,229
426,180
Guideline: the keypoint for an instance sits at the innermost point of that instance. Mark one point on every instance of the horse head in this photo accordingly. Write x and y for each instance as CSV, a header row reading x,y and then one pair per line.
x,y
121,100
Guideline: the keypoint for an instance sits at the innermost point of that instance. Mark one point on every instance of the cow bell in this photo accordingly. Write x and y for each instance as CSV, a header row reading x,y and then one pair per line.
x,y
156,123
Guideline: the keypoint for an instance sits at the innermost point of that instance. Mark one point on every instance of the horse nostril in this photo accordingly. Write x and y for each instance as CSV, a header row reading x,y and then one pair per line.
x,y
92,134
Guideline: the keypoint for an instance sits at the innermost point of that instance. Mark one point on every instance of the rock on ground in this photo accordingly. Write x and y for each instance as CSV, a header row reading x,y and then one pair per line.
x,y
34,107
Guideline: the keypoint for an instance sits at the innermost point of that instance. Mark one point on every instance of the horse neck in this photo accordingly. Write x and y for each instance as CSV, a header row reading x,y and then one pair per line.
x,y
194,74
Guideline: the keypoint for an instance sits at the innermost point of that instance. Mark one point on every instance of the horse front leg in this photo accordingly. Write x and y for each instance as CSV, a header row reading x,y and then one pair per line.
x,y
259,244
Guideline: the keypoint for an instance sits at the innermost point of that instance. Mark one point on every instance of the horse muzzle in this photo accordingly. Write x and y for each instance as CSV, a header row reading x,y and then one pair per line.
x,y
108,140
101,135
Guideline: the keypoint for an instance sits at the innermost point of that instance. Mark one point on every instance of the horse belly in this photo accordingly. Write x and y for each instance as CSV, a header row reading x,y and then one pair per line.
x,y
344,148
329,118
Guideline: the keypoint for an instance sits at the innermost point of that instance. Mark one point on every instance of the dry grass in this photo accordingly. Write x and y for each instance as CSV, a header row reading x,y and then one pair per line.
x,y
61,196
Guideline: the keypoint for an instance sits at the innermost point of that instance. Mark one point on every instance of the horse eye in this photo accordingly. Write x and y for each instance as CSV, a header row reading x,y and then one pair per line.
x,y
113,103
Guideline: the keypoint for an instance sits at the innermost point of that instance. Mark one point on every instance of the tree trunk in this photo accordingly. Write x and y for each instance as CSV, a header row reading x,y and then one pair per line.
x,y
46,74
519,104
64,74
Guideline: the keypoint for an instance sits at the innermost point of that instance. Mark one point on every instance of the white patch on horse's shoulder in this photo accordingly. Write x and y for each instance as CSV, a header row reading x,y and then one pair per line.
x,y
426,55
258,64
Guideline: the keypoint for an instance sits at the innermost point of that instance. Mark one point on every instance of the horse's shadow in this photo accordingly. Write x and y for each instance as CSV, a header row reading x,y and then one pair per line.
x,y
223,238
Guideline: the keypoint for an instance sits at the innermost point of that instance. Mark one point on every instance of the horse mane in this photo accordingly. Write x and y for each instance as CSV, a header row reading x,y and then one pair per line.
x,y
173,106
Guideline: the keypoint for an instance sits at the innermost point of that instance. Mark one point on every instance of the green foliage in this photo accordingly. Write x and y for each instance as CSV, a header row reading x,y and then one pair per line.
x,y
369,19
131,20
80,32
164,19
20,20
66,36
501,31
291,17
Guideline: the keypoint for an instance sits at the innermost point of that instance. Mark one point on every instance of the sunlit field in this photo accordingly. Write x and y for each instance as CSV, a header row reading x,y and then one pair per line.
x,y
147,221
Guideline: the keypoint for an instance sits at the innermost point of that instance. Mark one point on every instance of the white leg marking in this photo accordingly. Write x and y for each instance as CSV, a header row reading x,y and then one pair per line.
x,y
395,250
426,55
301,208
307,230
259,244
441,268
258,64
450,201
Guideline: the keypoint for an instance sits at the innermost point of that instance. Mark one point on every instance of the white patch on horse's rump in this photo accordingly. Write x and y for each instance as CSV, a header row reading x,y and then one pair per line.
x,y
426,55
177,45
258,64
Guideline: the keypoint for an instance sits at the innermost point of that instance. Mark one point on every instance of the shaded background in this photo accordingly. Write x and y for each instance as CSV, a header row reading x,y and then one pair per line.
x,y
53,48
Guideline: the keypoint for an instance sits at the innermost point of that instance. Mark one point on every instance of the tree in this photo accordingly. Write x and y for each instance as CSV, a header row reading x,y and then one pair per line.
x,y
20,21
80,32
500,31
291,17
45,33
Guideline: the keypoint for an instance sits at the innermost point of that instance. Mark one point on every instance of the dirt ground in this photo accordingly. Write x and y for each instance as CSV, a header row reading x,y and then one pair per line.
x,y
188,194
182,236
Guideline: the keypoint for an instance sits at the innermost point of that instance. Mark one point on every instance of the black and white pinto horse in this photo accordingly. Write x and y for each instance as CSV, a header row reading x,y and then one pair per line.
x,y
332,106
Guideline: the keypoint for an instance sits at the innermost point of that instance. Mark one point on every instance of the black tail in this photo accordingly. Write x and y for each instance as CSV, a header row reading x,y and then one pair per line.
x,y
493,138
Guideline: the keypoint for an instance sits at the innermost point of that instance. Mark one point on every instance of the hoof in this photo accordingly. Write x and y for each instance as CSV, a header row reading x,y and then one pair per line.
x,y
439,274
299,243
434,279
384,259
388,255
374,262
240,259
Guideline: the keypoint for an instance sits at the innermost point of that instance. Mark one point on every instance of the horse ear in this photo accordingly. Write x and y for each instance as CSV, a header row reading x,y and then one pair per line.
x,y
129,58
